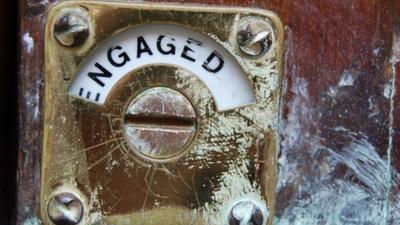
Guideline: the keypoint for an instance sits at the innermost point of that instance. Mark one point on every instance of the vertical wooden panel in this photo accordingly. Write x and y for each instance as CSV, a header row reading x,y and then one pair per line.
x,y
32,17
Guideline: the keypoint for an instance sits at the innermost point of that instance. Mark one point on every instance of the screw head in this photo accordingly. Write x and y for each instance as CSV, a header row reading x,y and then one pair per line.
x,y
255,37
159,123
65,208
246,213
71,28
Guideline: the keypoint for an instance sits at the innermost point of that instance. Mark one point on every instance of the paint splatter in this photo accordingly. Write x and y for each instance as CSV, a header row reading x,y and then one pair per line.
x,y
387,90
32,221
346,79
328,185
28,42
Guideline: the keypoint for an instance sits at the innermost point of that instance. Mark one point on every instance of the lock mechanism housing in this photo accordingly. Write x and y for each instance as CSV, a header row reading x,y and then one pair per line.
x,y
160,113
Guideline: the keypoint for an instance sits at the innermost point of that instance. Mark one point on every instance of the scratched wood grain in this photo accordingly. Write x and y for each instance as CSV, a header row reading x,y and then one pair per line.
x,y
339,60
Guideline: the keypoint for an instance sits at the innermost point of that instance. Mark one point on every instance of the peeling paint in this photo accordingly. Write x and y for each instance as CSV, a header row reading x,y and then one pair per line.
x,y
346,79
293,131
28,42
387,90
322,196
377,51
33,99
32,221
334,200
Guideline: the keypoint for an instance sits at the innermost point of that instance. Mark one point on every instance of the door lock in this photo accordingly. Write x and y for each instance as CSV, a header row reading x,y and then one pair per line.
x,y
160,113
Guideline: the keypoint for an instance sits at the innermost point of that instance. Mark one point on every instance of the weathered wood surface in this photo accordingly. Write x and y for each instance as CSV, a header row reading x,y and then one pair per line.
x,y
341,119
395,62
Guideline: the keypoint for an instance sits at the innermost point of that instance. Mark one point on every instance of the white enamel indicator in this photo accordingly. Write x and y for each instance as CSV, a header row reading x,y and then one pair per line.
x,y
163,44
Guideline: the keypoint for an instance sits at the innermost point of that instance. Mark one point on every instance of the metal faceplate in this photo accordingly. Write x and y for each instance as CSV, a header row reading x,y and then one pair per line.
x,y
160,114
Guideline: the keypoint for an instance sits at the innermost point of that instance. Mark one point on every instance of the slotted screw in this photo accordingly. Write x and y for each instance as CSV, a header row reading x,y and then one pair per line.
x,y
65,208
255,37
246,213
159,123
71,28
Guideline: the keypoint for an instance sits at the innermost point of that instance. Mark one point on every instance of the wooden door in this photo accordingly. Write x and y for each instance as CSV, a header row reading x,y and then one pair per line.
x,y
339,161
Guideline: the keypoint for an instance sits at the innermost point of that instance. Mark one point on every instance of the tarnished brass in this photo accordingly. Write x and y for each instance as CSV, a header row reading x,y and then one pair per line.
x,y
159,123
227,157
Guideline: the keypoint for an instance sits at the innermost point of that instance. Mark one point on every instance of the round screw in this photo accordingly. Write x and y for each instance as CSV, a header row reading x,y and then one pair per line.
x,y
255,37
71,28
65,208
159,123
246,213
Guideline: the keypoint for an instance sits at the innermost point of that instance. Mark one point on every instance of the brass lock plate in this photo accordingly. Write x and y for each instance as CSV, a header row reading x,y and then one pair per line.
x,y
160,113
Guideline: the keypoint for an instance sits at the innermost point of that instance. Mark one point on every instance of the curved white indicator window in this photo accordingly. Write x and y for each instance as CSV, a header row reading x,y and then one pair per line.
x,y
163,44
